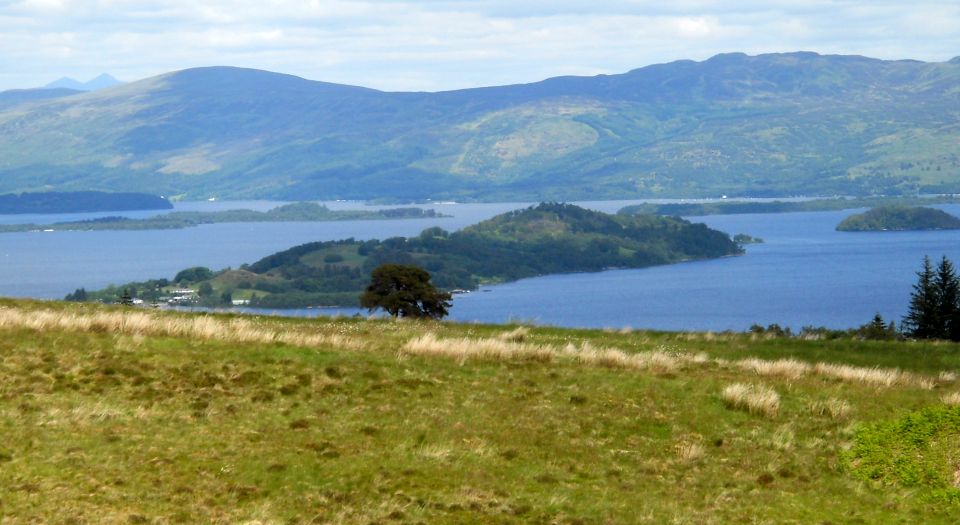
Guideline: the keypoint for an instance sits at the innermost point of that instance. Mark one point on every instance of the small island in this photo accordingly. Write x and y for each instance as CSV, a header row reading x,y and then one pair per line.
x,y
546,239
733,207
899,218
743,238
295,212
79,202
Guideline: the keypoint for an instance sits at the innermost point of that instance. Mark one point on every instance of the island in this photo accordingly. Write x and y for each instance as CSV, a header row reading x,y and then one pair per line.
x,y
546,239
743,238
899,218
295,212
696,209
79,202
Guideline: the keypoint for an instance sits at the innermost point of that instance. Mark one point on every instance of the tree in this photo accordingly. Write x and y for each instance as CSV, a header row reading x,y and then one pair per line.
x,y
934,311
921,318
193,275
404,291
948,295
79,295
126,299
878,330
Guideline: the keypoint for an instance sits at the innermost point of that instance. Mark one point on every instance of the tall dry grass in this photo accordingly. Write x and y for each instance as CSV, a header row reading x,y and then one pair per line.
x,y
504,349
689,451
785,368
794,369
755,399
146,323
659,360
509,346
464,349
952,399
886,377
833,408
517,335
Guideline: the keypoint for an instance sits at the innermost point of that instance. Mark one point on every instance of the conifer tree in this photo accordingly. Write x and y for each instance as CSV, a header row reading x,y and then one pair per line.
x,y
126,299
948,293
922,320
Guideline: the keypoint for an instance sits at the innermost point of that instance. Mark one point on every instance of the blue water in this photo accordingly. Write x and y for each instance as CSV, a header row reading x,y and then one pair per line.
x,y
805,274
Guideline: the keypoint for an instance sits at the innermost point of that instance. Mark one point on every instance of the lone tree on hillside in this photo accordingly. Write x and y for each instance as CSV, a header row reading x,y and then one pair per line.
x,y
404,291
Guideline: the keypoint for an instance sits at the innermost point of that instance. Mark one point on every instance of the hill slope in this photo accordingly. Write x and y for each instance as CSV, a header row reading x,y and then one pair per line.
x,y
16,97
124,416
735,124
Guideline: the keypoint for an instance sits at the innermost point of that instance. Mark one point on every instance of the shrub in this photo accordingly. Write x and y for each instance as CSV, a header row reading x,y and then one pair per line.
x,y
913,451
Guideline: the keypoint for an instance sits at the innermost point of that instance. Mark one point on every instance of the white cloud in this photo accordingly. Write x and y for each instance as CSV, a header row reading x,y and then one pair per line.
x,y
444,44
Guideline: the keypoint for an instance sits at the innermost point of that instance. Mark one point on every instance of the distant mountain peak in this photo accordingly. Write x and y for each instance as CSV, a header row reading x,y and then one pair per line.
x,y
102,81
955,60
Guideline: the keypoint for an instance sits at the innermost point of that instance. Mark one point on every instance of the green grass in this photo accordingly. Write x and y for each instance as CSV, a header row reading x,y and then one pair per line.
x,y
148,421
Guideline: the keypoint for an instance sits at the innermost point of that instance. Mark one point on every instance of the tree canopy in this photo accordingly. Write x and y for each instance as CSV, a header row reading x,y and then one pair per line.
x,y
404,291
934,311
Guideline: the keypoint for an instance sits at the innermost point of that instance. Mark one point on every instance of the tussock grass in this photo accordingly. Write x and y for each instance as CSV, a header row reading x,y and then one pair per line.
x,y
464,349
509,346
503,349
886,377
952,399
140,323
784,438
785,368
833,408
707,337
689,451
517,335
505,346
755,399
793,369
659,360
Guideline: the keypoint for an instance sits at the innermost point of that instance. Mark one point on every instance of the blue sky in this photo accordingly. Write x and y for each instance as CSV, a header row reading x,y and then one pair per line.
x,y
446,44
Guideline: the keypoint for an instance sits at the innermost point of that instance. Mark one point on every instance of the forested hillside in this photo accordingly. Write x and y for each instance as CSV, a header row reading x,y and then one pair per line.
x,y
768,125
549,238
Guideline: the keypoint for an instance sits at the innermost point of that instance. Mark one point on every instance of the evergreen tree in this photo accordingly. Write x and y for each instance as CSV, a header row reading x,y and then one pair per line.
x,y
878,330
79,295
126,299
922,319
948,293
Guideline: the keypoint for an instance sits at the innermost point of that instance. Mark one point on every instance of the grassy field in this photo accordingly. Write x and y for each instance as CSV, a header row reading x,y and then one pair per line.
x,y
112,415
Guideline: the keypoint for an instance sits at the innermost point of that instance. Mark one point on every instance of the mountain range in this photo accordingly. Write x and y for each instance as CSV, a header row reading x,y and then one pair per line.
x,y
737,125
100,82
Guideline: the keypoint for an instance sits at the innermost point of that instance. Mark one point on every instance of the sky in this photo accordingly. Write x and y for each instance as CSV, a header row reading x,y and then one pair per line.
x,y
432,45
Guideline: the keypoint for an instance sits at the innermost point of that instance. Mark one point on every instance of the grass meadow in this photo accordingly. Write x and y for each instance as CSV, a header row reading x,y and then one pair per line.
x,y
112,415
